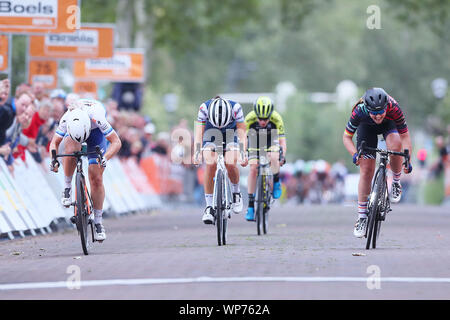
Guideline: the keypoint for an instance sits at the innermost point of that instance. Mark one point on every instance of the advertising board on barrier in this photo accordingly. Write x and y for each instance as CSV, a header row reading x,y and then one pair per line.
x,y
4,52
39,16
91,41
45,71
127,65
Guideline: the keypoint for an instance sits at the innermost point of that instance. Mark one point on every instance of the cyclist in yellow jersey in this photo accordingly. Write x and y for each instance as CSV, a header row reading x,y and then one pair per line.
x,y
265,130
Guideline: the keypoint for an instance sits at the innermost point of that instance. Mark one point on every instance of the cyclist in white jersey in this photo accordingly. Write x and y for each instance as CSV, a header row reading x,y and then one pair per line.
x,y
85,122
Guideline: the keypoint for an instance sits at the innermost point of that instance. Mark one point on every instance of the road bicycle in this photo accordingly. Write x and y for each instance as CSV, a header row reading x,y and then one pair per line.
x,y
222,195
379,202
83,216
264,189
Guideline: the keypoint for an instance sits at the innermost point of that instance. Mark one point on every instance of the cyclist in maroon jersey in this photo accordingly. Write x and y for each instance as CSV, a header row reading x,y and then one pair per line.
x,y
376,113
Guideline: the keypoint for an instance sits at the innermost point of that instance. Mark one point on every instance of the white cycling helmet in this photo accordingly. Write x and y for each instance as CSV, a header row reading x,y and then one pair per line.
x,y
220,113
79,125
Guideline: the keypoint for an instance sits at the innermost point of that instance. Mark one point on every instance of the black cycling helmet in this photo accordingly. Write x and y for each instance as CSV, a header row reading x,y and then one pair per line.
x,y
375,99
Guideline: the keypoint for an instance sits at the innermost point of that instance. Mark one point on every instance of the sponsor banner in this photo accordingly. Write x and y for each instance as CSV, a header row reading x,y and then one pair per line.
x,y
39,16
4,53
45,71
127,65
89,42
86,89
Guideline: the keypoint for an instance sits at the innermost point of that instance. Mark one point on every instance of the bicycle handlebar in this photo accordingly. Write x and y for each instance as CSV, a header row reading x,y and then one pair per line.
x,y
404,154
78,154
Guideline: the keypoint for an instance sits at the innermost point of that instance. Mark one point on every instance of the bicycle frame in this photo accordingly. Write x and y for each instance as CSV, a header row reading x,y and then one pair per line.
x,y
264,171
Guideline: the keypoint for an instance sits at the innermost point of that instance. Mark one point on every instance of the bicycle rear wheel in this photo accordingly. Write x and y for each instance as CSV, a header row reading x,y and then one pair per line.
x,y
259,201
82,213
219,208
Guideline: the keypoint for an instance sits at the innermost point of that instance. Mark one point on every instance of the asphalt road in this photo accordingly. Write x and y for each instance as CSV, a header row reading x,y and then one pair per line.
x,y
309,253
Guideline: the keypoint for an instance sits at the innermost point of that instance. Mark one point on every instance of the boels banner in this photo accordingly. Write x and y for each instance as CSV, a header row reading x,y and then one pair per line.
x,y
127,65
91,41
39,16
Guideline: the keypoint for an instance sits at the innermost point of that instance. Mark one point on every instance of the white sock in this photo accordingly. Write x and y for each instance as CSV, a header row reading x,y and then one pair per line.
x,y
68,182
98,216
209,200
235,188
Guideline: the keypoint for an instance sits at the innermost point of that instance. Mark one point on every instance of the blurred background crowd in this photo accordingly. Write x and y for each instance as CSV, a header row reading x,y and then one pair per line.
x,y
315,57
30,117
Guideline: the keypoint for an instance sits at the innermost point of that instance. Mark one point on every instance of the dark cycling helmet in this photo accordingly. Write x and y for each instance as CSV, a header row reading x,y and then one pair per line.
x,y
263,107
375,99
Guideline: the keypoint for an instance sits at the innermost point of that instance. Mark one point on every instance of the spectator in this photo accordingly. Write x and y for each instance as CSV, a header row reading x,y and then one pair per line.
x,y
4,91
12,108
38,89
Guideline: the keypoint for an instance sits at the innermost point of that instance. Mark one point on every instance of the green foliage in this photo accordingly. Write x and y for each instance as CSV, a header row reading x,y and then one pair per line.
x,y
314,131
98,11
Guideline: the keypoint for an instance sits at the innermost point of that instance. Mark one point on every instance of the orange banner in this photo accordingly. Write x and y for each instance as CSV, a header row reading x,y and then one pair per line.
x,y
39,16
90,42
86,89
43,71
127,65
4,53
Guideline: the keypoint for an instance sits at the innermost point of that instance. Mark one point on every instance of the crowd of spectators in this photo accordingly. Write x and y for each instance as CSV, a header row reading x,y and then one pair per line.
x,y
30,116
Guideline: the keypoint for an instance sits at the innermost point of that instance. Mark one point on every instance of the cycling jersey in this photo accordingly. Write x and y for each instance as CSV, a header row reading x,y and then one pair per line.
x,y
210,136
275,122
96,112
360,115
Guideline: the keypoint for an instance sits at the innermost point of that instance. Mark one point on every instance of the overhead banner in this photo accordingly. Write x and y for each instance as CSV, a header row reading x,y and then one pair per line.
x,y
45,71
39,16
89,42
4,53
127,65
86,89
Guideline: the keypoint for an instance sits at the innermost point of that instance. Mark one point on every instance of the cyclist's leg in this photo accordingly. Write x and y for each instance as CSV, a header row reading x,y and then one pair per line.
x,y
366,169
274,157
231,158
95,173
394,143
69,165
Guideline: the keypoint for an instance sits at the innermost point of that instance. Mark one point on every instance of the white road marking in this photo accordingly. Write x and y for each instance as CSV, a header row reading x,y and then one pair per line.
x,y
152,281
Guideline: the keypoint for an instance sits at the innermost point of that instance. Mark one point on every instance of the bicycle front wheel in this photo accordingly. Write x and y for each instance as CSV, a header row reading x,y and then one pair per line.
x,y
374,222
259,202
220,210
266,205
82,213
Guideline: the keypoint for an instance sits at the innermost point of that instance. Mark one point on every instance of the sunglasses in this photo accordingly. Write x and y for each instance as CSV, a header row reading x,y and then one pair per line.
x,y
377,112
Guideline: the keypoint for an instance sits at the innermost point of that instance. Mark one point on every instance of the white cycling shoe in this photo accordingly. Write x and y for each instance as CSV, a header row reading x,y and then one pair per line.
x,y
360,228
238,204
99,234
66,199
396,192
208,216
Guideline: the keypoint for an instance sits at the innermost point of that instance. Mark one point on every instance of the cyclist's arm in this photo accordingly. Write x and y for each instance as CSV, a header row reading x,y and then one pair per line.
x,y
283,145
115,145
406,141
348,143
198,135
242,134
56,141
